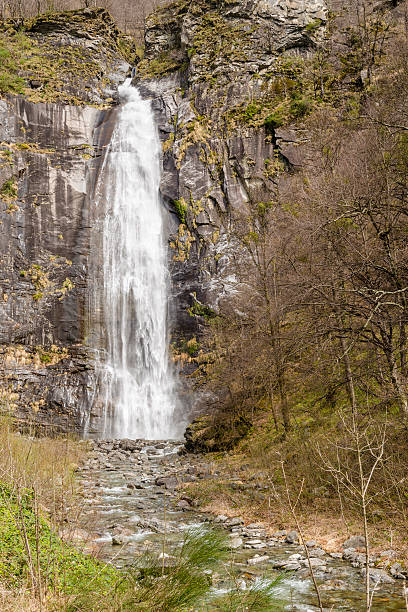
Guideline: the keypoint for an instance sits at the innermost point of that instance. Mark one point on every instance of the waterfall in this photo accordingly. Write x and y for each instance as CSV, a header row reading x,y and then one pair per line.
x,y
135,378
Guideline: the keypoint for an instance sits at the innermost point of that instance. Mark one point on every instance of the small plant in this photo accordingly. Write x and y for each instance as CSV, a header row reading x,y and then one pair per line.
x,y
192,346
313,26
186,585
201,310
181,209
8,190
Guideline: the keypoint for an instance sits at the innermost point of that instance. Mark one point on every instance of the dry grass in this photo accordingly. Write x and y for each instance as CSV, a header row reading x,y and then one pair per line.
x,y
45,465
15,602
248,482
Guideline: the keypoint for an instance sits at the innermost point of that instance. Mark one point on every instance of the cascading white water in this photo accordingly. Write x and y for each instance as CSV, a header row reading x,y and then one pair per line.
x,y
136,379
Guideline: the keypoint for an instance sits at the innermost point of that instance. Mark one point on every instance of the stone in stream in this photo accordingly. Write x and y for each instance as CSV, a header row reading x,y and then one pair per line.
x,y
221,518
336,555
288,566
183,505
234,522
257,544
397,571
292,537
389,554
169,482
350,554
119,540
257,559
378,576
235,542
317,552
314,562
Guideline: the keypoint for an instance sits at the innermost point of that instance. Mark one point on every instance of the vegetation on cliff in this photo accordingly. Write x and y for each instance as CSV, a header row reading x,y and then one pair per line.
x,y
62,57
128,15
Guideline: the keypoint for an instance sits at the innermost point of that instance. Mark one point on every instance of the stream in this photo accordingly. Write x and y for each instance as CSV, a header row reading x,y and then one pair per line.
x,y
132,505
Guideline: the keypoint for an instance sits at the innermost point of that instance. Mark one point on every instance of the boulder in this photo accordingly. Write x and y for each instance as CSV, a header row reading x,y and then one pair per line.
x,y
129,445
257,559
357,541
378,576
292,537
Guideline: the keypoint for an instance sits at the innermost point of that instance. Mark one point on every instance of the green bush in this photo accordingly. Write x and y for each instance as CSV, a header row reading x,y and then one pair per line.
x,y
273,121
9,189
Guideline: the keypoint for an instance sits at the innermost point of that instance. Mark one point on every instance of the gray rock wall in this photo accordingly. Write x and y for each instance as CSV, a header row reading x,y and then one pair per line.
x,y
213,165
50,154
203,60
44,245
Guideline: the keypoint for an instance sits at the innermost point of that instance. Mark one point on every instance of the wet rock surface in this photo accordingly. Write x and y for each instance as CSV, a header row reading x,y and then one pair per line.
x,y
133,503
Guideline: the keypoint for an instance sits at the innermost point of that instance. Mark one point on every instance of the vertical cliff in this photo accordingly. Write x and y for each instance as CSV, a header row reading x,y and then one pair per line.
x,y
217,72
228,80
232,82
52,137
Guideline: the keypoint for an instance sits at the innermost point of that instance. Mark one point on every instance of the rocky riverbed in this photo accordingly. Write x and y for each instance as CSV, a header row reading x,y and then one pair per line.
x,y
132,503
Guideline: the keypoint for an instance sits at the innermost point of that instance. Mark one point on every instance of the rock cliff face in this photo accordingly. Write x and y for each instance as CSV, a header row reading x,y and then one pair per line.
x,y
226,79
219,73
48,155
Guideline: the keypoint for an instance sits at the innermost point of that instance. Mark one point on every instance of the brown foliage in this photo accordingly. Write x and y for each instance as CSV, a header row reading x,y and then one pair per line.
x,y
128,14
322,310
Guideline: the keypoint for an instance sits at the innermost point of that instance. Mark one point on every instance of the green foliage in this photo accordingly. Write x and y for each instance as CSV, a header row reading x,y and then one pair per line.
x,y
300,106
251,110
192,347
273,121
63,73
159,66
264,207
181,209
201,310
291,91
8,190
313,26
28,547
288,97
216,40
10,82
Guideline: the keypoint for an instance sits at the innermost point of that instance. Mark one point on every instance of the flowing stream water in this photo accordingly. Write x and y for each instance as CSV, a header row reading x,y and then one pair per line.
x,y
133,504
135,376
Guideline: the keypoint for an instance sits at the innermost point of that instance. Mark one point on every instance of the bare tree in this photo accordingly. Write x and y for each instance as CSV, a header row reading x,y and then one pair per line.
x,y
362,454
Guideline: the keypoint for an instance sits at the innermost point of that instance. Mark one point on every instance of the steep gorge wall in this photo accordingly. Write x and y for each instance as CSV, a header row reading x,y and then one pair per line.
x,y
214,70
231,82
49,155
